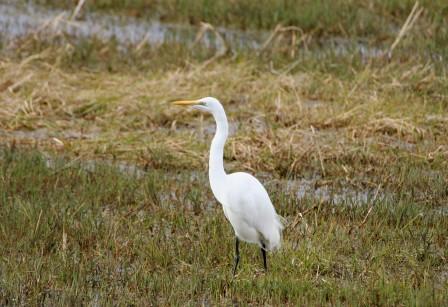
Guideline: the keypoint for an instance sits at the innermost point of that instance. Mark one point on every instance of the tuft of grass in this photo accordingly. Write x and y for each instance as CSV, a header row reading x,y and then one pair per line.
x,y
76,233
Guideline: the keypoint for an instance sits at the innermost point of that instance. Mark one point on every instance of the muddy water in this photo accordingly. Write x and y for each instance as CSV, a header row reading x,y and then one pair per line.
x,y
310,187
301,188
17,20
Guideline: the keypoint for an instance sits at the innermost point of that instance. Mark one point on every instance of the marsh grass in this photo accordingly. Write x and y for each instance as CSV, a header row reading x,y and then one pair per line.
x,y
75,228
344,18
71,235
332,115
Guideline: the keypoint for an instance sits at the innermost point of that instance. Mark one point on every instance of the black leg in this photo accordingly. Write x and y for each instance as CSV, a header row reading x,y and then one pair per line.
x,y
237,255
263,253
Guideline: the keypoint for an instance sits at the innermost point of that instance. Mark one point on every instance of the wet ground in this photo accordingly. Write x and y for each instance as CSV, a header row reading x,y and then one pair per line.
x,y
17,20
313,187
20,19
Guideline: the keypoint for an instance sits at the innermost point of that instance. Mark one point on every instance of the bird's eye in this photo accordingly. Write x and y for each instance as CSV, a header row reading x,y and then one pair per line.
x,y
202,103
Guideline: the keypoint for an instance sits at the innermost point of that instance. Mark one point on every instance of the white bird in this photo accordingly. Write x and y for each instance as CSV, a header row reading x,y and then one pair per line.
x,y
245,202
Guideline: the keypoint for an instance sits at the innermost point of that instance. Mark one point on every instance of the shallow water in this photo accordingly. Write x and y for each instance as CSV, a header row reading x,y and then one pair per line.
x,y
17,20
335,193
302,188
310,187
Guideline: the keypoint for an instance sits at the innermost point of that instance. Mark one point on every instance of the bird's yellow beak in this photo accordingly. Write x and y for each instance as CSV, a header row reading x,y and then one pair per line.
x,y
185,102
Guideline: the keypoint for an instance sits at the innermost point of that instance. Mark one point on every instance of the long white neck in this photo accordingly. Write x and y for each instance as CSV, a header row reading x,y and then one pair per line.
x,y
216,170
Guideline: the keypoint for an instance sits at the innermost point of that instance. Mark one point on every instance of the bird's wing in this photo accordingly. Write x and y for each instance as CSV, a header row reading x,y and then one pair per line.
x,y
250,201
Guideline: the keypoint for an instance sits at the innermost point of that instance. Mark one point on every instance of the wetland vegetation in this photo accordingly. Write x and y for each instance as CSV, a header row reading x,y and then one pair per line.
x,y
103,184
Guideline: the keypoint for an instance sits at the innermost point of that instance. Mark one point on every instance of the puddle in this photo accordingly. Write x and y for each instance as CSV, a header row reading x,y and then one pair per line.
x,y
301,188
92,165
38,134
43,134
343,46
210,129
313,187
17,20
398,143
443,211
313,104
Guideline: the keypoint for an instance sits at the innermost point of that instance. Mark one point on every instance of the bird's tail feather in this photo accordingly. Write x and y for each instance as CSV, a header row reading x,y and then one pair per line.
x,y
275,235
281,221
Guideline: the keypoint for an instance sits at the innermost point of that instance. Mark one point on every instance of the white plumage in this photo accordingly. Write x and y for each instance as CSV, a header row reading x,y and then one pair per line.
x,y
248,208
245,202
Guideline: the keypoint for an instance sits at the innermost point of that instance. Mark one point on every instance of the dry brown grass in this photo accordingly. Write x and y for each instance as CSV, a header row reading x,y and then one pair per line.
x,y
286,123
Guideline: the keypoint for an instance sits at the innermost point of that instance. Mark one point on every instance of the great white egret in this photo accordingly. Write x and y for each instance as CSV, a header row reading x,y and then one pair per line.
x,y
245,202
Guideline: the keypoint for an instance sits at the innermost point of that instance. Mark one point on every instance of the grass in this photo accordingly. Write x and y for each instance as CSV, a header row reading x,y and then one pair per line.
x,y
75,229
77,235
365,117
353,18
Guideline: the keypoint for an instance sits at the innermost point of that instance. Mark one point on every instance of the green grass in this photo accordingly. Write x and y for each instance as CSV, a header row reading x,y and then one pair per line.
x,y
72,235
355,17
376,22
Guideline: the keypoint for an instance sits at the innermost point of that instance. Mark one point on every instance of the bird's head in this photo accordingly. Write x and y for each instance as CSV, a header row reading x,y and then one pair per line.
x,y
207,104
